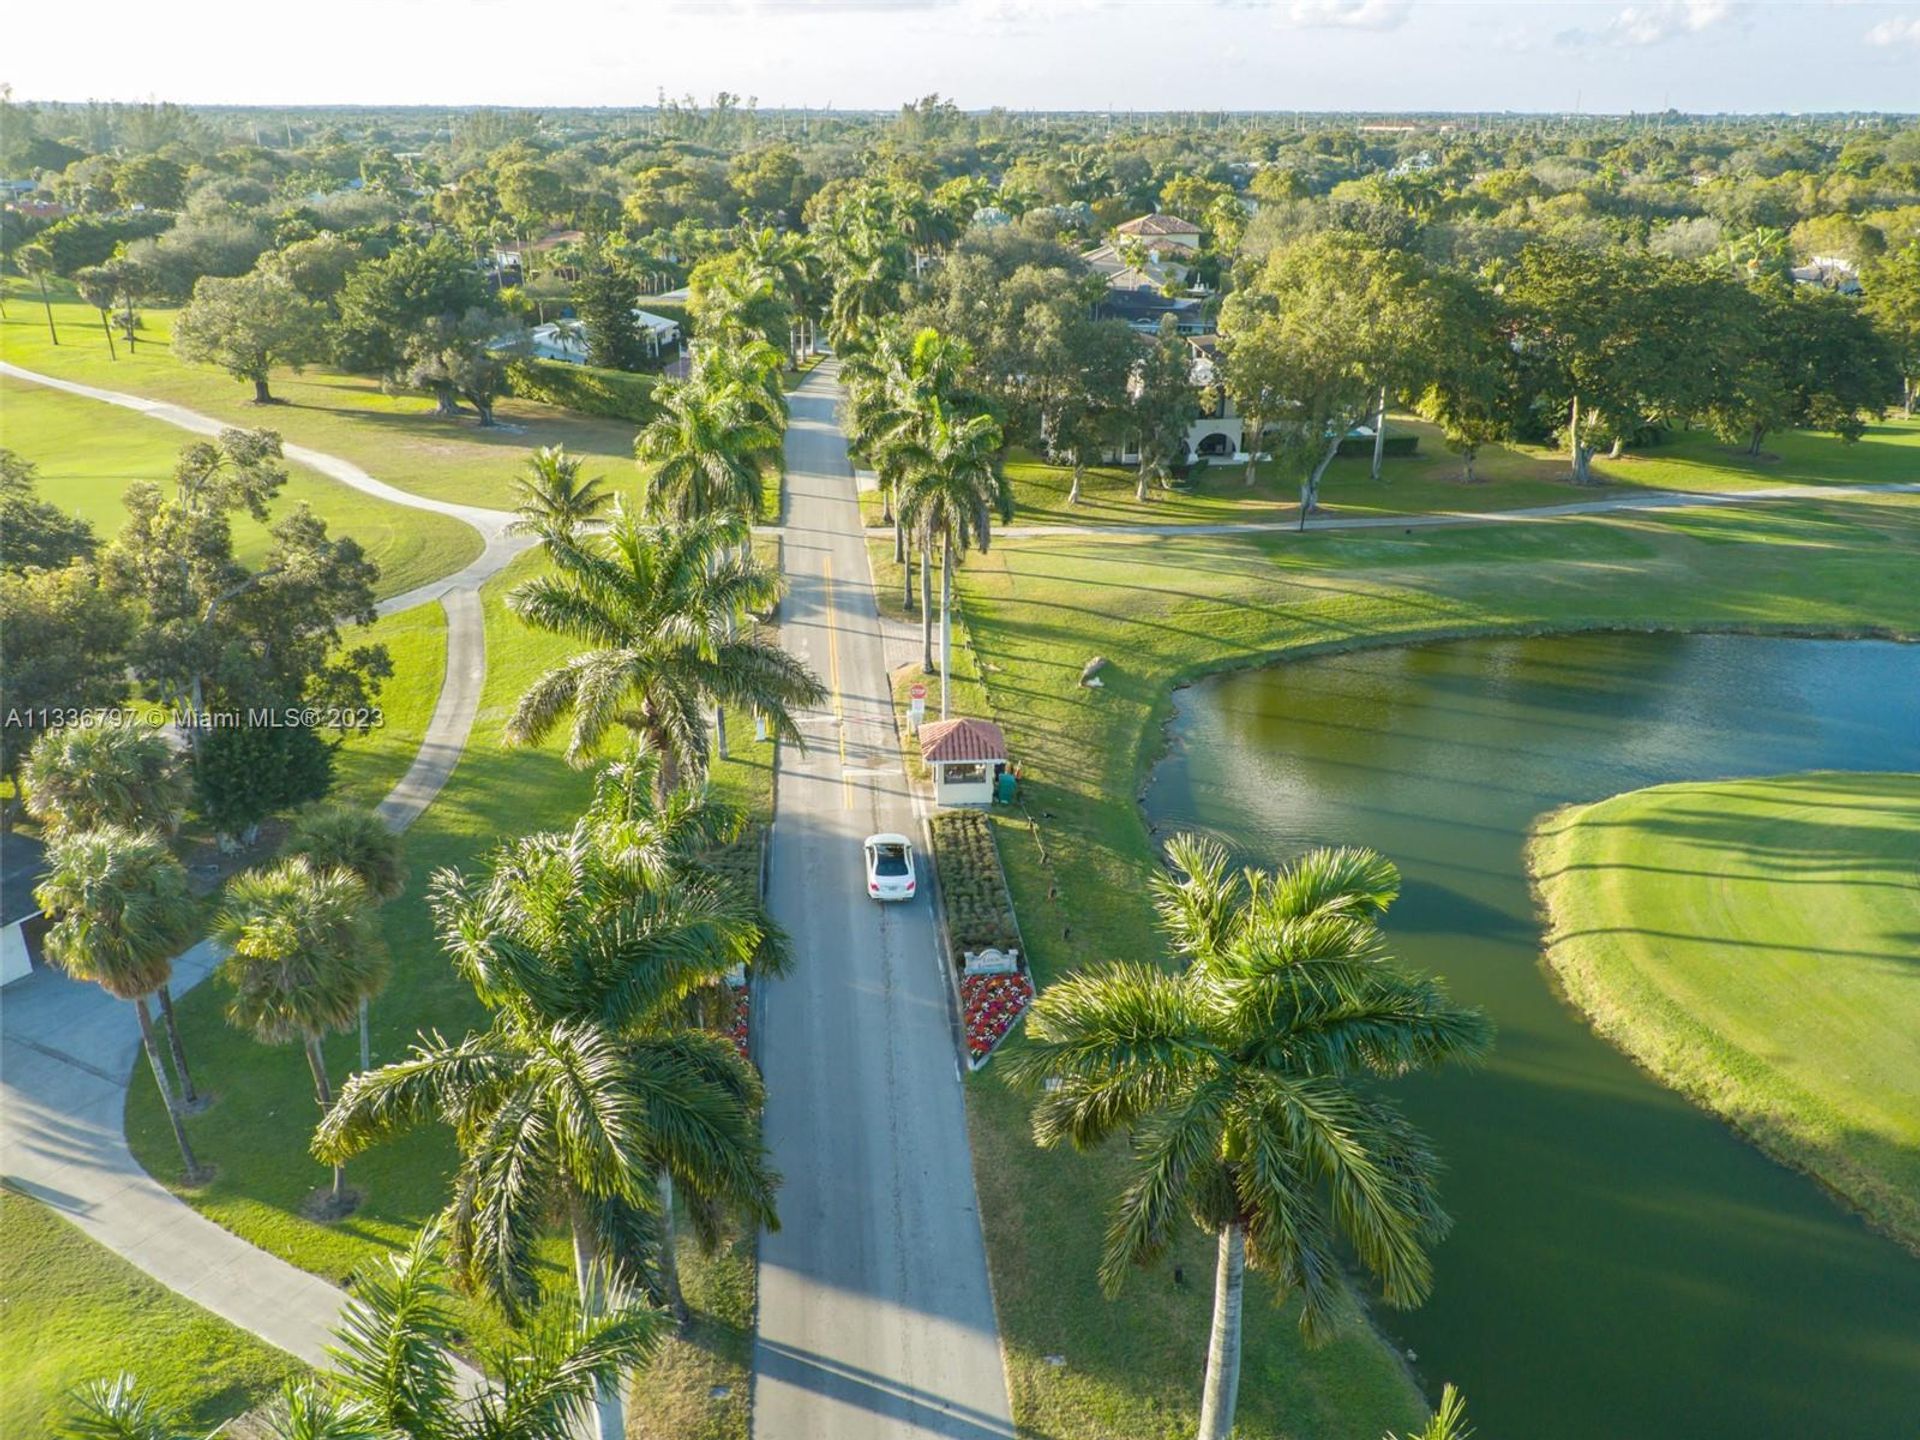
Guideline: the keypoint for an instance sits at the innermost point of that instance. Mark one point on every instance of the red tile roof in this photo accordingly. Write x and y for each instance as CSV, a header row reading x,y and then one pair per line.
x,y
1158,224
961,739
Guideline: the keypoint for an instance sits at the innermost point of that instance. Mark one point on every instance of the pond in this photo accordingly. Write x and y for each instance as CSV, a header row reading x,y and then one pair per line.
x,y
1622,1265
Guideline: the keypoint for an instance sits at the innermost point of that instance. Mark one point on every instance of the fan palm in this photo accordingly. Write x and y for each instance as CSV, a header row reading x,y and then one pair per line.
x,y
81,777
707,447
953,486
121,910
587,1088
1242,1084
552,497
659,607
394,1378
302,954
336,837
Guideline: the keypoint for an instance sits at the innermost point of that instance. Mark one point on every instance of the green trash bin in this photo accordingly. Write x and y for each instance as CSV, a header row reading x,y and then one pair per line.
x,y
1005,787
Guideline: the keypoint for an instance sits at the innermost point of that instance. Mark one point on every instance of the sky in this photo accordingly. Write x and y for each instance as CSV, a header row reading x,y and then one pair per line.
x,y
1590,56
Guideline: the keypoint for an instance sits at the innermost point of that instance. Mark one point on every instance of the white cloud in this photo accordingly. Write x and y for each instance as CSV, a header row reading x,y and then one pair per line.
x,y
1891,33
1350,14
1650,24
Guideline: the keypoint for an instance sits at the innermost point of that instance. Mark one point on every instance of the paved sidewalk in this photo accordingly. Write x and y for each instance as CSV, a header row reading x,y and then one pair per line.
x,y
68,1050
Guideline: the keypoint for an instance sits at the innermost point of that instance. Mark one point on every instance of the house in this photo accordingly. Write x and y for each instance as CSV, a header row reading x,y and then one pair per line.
x,y
1219,433
566,340
966,757
1145,309
22,866
1829,272
1161,234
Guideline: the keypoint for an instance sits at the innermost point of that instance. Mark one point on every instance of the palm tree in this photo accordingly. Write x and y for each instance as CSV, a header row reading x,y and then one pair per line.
x,y
336,837
81,777
1448,1422
953,486
553,499
589,1095
1243,1084
394,1378
707,449
121,911
302,955
658,605
745,376
85,777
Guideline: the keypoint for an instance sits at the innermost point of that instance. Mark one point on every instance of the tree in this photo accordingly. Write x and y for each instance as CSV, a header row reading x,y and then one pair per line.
x,y
387,300
65,650
951,489
707,447
659,605
1808,359
1893,300
586,1087
394,1374
152,181
245,772
37,260
246,326
1325,327
1449,1421
464,356
337,837
553,499
1246,1085
99,287
86,777
1469,389
1163,401
121,911
35,534
1074,395
302,954
604,299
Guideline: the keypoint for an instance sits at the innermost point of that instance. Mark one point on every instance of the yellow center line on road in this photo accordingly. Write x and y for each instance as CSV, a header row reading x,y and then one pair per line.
x,y
833,679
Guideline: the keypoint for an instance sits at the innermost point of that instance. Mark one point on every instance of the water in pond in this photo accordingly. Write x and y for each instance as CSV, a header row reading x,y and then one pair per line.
x,y
1623,1265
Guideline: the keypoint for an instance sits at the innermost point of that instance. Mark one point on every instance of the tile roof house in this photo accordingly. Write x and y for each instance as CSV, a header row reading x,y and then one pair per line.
x,y
966,757
1161,231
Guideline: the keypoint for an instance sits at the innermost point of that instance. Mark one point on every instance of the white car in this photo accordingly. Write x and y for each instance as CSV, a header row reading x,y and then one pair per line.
x,y
890,867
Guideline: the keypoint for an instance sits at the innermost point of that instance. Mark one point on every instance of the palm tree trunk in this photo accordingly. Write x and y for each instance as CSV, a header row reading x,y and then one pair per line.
x,y
1222,1390
610,1419
1380,433
47,305
106,329
926,604
152,1047
323,1092
173,1043
670,1257
946,625
366,1041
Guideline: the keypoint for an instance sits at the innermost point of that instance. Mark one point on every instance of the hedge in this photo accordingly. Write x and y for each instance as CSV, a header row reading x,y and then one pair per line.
x,y
973,889
1363,445
587,389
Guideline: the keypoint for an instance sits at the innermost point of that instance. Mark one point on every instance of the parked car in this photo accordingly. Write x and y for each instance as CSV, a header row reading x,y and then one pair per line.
x,y
890,867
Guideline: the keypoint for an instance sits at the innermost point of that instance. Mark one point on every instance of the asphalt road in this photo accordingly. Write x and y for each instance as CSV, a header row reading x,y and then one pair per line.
x,y
876,1321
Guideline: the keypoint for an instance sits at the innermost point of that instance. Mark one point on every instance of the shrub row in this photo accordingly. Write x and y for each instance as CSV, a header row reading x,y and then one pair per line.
x,y
586,389
973,888
1363,445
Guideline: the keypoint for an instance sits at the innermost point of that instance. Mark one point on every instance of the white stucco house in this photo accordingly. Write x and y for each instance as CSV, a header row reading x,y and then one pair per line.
x,y
566,340
1220,433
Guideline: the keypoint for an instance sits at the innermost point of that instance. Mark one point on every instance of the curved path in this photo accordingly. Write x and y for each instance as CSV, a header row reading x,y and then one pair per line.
x,y
68,1051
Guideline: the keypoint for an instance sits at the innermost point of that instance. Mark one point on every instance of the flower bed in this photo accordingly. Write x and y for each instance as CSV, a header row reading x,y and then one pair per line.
x,y
991,1005
973,890
737,1028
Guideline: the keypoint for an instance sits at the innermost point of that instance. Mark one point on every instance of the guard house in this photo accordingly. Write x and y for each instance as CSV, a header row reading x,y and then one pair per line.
x,y
966,757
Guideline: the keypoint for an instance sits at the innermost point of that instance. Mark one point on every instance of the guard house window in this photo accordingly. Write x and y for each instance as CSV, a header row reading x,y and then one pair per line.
x,y
968,774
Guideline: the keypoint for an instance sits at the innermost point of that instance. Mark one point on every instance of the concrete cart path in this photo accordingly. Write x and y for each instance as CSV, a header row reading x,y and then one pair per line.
x,y
68,1050
876,1321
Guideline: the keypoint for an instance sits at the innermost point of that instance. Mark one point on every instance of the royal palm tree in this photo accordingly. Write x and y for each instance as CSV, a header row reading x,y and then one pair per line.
x,y
952,488
302,953
707,449
394,1376
81,777
338,837
1244,1086
659,605
587,1088
121,910
86,777
552,496
745,377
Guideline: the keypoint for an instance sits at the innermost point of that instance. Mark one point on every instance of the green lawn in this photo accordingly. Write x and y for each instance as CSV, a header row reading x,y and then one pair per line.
x,y
369,765
1752,943
1507,477
394,437
76,1312
256,1135
88,453
1164,612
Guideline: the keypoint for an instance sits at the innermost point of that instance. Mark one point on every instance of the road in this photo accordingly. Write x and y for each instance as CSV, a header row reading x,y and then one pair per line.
x,y
876,1320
